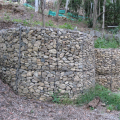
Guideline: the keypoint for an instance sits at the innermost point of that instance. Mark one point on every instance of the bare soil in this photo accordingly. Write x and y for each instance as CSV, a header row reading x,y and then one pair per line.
x,y
25,14
15,107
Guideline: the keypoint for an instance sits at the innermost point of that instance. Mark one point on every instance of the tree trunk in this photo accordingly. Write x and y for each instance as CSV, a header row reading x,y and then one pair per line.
x,y
58,7
99,7
103,25
83,9
43,16
91,10
95,13
66,6
36,5
40,7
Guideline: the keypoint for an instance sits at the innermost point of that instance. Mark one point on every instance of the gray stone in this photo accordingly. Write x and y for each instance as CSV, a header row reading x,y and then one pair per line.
x,y
68,73
25,90
62,86
29,74
53,51
76,78
92,33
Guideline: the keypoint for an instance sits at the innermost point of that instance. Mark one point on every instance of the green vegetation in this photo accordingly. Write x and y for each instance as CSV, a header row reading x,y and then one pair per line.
x,y
37,23
90,23
31,111
50,23
110,107
105,95
115,30
17,20
61,99
66,26
6,17
25,22
56,97
103,43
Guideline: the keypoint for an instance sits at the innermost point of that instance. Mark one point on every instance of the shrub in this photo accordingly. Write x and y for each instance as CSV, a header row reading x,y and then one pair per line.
x,y
103,43
106,96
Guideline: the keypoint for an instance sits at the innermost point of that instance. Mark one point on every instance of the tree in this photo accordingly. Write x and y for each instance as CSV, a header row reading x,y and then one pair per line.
x,y
36,5
58,7
42,10
95,13
66,6
103,25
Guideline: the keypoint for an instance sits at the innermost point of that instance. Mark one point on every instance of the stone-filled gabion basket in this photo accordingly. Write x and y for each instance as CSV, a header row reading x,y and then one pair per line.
x,y
36,62
108,68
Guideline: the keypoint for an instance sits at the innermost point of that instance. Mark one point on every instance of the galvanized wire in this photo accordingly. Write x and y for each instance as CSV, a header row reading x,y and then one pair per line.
x,y
19,60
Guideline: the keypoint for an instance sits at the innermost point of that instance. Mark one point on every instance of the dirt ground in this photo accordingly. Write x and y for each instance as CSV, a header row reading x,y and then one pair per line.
x,y
26,15
14,107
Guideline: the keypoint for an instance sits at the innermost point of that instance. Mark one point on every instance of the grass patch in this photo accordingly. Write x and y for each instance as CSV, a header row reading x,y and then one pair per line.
x,y
66,26
61,99
112,100
37,23
27,22
50,23
106,96
6,17
103,43
17,20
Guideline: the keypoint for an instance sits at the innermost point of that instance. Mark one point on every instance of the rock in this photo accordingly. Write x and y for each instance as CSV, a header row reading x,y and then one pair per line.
x,y
94,103
25,40
25,90
39,37
61,55
103,104
53,51
68,73
108,111
35,49
62,86
41,84
32,90
29,74
37,44
18,10
92,33
49,99
76,78
36,74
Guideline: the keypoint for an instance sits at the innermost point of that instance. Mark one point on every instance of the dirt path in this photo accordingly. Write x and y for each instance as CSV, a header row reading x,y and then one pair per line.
x,y
14,107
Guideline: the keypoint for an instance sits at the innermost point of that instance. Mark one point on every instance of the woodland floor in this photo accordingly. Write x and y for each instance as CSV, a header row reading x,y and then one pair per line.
x,y
26,15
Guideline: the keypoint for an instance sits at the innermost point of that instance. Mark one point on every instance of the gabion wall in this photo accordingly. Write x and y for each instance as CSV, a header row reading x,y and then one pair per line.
x,y
108,68
36,62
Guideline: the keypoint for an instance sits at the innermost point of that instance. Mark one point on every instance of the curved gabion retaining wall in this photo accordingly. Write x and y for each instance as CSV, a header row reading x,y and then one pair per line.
x,y
39,61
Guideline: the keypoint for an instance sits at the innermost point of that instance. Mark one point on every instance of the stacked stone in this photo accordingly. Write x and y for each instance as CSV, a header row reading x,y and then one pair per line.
x,y
108,68
9,47
50,60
